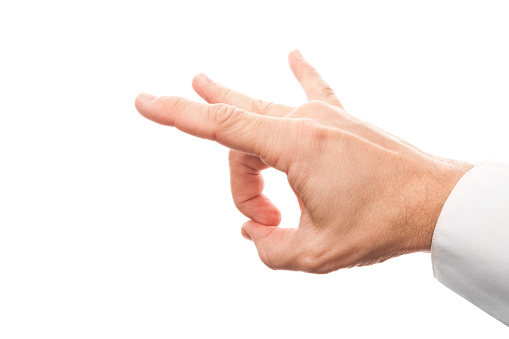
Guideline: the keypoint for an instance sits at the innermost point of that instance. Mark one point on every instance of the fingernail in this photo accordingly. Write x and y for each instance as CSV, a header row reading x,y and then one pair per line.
x,y
146,98
203,79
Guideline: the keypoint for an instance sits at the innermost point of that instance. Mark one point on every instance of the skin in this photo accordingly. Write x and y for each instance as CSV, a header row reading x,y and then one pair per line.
x,y
365,195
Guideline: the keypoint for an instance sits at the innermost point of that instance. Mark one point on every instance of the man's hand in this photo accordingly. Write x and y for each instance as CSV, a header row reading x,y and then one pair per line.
x,y
365,195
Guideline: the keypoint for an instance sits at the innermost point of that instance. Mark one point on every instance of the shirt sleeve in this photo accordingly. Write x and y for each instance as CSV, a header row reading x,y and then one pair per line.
x,y
470,246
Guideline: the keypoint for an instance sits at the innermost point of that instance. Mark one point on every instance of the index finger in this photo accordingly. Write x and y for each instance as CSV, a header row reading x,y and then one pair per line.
x,y
214,92
230,126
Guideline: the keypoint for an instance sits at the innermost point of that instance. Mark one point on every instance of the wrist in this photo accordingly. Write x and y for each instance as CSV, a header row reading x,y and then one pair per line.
x,y
440,179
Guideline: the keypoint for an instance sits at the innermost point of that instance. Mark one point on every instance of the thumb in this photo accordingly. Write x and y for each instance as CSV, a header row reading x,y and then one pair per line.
x,y
277,247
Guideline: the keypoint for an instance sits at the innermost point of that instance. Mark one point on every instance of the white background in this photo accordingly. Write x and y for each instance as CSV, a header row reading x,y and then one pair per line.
x,y
112,226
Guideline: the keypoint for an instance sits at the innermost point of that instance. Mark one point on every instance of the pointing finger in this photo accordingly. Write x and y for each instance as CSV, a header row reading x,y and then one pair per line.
x,y
213,92
311,81
230,126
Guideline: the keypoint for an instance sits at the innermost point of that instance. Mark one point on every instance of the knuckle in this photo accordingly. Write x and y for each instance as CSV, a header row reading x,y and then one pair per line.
x,y
221,114
321,134
234,156
325,89
171,104
255,105
317,105
311,129
222,118
224,93
328,91
298,113
260,106
309,109
176,101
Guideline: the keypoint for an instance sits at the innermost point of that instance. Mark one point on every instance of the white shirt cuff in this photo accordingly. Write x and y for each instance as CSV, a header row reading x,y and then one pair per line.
x,y
470,247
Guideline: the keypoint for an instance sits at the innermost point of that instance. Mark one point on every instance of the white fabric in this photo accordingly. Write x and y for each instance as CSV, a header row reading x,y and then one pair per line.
x,y
470,247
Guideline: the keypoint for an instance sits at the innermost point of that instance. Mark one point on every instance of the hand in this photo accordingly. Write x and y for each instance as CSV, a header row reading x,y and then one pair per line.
x,y
365,195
